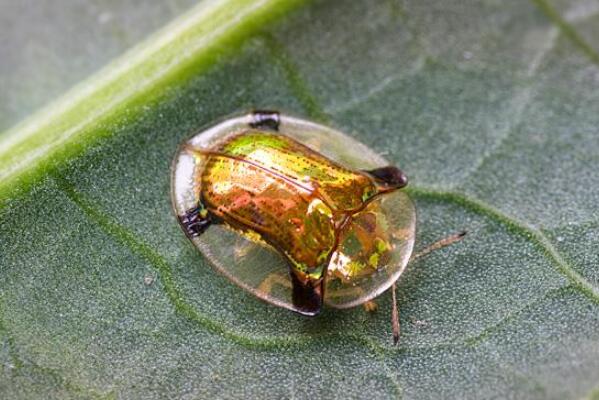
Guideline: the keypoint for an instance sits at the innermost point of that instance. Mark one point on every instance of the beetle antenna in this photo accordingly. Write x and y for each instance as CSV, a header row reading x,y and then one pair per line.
x,y
446,241
435,246
394,316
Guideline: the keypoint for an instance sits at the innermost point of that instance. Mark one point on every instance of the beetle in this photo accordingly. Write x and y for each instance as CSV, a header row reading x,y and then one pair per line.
x,y
330,228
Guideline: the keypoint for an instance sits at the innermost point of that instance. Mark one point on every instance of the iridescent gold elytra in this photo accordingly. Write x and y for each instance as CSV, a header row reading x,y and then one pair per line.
x,y
272,189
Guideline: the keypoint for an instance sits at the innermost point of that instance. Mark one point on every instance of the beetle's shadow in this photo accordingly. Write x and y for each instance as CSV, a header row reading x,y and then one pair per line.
x,y
329,321
325,323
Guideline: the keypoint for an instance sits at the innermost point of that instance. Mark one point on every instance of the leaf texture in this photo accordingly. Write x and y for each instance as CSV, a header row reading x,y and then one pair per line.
x,y
490,107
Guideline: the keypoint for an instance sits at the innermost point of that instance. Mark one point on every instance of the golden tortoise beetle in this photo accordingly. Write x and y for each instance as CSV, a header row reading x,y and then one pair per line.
x,y
299,214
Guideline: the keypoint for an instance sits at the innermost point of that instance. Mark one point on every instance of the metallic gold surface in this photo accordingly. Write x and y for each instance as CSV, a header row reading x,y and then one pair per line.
x,y
294,212
292,197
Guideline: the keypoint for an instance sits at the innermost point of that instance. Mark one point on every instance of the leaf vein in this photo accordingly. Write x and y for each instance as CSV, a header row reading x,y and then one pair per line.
x,y
138,247
521,100
488,331
297,85
19,365
568,30
175,296
534,235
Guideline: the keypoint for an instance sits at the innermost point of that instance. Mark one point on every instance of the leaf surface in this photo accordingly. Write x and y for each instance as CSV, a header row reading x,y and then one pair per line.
x,y
491,109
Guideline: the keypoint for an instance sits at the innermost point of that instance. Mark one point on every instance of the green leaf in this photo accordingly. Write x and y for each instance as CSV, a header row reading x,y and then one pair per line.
x,y
491,108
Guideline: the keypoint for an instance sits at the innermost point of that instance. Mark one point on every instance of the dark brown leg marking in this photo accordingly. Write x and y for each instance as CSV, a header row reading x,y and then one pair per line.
x,y
265,119
390,176
307,297
193,223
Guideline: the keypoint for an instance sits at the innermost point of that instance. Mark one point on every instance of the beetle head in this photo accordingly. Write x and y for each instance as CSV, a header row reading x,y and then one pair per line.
x,y
389,177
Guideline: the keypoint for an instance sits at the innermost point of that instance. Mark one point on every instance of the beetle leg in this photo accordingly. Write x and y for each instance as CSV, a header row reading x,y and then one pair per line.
x,y
195,221
394,315
265,119
370,306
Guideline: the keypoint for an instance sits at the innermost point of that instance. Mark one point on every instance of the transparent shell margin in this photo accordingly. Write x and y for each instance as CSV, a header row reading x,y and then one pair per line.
x,y
249,264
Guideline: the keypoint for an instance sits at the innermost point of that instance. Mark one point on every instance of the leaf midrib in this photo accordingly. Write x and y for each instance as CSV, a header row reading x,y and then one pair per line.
x,y
301,90
62,129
